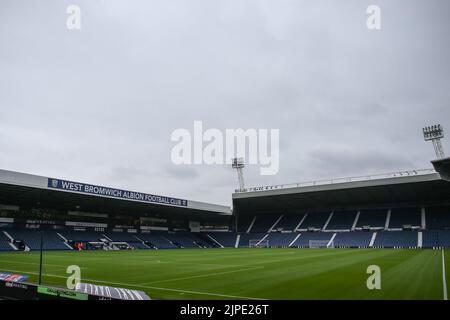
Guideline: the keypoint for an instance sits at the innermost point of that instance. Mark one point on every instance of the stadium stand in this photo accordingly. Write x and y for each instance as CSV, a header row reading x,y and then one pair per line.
x,y
430,239
352,239
436,235
391,239
140,245
4,246
356,213
315,220
281,240
203,240
226,239
438,217
181,241
444,238
4,243
342,220
122,236
374,218
130,238
289,222
33,239
303,240
246,237
264,222
405,216
157,239
244,222
186,240
90,236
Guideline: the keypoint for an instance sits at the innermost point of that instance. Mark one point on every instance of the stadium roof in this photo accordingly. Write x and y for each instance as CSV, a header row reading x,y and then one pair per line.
x,y
26,189
403,188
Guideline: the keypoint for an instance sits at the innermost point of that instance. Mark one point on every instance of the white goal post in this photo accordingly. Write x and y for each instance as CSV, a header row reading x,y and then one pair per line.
x,y
258,243
321,244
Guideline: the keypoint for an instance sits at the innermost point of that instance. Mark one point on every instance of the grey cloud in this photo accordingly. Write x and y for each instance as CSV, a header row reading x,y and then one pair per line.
x,y
347,161
182,172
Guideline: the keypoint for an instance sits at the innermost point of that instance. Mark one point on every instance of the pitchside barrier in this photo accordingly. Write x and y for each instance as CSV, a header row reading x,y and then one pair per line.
x,y
27,291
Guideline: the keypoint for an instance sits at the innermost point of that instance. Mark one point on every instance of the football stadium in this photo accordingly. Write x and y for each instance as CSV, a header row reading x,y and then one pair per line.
x,y
222,159
315,240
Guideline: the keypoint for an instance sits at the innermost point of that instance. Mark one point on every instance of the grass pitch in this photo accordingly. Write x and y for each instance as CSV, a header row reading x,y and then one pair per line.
x,y
246,273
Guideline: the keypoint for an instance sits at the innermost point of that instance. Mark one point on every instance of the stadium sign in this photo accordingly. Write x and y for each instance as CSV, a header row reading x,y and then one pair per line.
x,y
113,193
110,293
10,277
14,290
62,293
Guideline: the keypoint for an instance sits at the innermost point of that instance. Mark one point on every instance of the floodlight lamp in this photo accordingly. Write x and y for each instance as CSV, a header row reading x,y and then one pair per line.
x,y
238,163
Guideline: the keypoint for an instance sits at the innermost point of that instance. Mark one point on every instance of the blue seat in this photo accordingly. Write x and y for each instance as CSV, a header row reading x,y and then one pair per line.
x,y
315,220
226,239
305,237
353,239
342,220
289,222
375,218
405,216
390,239
277,239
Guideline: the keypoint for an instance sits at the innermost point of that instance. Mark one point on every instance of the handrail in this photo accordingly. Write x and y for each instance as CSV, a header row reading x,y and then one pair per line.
x,y
339,180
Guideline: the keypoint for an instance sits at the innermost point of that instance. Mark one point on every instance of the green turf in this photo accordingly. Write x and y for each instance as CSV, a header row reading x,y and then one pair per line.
x,y
247,273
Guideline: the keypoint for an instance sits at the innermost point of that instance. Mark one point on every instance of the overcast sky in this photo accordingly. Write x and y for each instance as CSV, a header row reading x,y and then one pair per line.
x,y
99,104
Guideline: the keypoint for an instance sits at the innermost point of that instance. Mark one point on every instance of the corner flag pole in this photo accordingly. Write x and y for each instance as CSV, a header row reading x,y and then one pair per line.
x,y
40,260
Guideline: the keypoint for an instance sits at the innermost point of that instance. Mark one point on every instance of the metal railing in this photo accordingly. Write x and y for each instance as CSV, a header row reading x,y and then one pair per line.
x,y
339,180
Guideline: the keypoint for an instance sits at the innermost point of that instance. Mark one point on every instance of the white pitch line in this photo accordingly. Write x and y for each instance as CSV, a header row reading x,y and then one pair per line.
x,y
203,275
148,287
157,259
37,264
444,281
193,292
